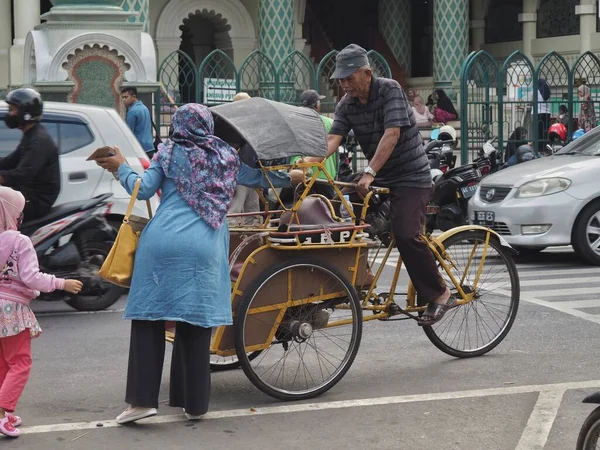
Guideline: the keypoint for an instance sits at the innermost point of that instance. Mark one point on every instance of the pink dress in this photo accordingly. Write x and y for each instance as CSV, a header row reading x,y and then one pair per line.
x,y
20,282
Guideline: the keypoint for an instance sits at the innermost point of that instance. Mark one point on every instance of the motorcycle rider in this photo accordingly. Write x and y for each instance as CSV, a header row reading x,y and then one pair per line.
x,y
33,168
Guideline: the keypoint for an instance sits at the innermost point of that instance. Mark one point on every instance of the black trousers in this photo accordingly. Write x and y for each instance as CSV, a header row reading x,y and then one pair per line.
x,y
408,209
190,366
35,210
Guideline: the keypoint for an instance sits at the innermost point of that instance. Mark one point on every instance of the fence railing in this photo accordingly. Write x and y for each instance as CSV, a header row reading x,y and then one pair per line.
x,y
500,99
218,79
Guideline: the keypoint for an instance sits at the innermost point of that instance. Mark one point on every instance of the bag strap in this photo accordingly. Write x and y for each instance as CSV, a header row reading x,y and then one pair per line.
x,y
134,195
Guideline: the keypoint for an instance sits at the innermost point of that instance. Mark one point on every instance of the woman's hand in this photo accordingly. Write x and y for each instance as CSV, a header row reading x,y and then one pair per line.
x,y
112,163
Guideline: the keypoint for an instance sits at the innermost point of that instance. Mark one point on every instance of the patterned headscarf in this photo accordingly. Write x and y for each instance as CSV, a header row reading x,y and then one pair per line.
x,y
203,167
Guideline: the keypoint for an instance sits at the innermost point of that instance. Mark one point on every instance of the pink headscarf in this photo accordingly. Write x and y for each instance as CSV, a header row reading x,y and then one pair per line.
x,y
12,204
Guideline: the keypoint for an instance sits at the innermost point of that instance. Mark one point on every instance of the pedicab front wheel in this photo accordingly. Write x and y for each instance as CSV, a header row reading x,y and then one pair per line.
x,y
306,318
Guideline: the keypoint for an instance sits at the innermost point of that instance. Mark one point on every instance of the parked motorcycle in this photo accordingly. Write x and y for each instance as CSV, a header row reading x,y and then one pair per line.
x,y
448,204
589,435
488,159
72,241
440,150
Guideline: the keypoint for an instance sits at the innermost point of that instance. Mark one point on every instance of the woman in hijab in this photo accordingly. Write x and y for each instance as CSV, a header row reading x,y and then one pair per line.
x,y
422,114
444,112
587,113
543,114
515,140
181,270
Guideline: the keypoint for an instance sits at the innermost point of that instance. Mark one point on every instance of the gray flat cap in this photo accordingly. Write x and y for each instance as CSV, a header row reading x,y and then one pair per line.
x,y
349,60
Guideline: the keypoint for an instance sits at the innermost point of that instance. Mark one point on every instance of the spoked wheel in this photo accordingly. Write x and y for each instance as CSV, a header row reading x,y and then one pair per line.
x,y
222,363
475,328
589,435
306,318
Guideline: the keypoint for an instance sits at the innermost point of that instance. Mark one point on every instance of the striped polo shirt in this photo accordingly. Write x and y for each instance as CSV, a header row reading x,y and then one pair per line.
x,y
387,107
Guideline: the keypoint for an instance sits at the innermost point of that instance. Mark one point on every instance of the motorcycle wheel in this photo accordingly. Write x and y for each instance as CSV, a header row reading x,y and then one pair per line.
x,y
590,432
108,294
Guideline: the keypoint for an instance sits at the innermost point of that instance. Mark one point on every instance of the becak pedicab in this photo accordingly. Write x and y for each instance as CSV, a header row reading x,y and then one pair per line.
x,y
304,280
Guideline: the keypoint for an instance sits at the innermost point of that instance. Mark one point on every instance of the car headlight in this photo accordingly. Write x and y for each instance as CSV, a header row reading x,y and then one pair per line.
x,y
546,186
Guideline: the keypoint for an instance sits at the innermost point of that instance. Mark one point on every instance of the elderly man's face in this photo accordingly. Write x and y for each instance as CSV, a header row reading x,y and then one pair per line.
x,y
357,84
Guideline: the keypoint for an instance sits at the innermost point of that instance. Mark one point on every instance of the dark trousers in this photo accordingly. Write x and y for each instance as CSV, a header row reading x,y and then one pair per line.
x,y
408,209
35,210
190,366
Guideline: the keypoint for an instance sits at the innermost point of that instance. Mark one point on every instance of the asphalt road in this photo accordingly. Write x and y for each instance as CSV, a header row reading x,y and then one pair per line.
x,y
400,393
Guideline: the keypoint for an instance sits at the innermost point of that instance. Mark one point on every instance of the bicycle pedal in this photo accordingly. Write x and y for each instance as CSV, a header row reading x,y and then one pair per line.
x,y
394,309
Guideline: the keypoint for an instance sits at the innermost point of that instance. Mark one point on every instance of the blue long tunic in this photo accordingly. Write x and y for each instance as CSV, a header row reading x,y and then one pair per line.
x,y
181,269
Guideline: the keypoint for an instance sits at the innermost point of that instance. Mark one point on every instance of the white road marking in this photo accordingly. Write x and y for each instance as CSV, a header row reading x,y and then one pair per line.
x,y
540,422
76,313
323,406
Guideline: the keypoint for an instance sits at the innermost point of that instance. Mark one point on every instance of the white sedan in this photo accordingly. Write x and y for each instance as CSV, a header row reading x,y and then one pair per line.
x,y
552,201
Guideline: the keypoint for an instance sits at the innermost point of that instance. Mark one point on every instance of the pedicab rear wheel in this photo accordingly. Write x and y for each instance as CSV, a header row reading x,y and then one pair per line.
x,y
317,338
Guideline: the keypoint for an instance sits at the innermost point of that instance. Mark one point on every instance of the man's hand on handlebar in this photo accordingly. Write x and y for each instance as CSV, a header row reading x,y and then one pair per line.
x,y
364,184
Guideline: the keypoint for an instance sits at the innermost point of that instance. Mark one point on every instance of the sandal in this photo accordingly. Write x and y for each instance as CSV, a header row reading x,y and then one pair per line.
x,y
434,312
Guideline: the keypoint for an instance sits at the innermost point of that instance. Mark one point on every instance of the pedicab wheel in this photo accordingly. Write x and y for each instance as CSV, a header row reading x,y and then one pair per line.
x,y
477,327
222,363
589,435
317,337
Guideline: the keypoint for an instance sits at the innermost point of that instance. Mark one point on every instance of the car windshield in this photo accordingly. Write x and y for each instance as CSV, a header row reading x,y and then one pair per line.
x,y
587,145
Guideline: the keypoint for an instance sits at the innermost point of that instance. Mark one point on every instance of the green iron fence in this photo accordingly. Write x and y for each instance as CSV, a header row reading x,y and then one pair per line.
x,y
217,80
500,100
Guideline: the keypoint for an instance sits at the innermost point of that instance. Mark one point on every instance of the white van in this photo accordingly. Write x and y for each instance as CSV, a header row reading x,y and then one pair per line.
x,y
78,130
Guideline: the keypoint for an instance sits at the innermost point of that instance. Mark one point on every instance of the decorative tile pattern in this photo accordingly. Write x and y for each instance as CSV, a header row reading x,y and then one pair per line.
x,y
395,26
98,74
557,18
450,40
276,19
276,37
141,6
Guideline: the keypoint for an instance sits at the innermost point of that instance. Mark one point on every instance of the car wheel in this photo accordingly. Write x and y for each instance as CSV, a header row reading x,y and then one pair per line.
x,y
586,234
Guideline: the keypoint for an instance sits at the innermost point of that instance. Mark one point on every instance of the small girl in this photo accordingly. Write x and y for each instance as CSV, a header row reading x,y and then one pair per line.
x,y
20,282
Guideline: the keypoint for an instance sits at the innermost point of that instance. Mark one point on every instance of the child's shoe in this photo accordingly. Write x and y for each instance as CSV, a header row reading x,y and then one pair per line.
x,y
15,420
7,428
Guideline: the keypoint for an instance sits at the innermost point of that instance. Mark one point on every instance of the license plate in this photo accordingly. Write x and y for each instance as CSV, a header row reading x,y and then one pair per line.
x,y
484,218
468,191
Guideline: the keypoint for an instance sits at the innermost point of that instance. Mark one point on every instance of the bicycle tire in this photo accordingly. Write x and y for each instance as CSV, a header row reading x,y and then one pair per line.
x,y
240,323
433,332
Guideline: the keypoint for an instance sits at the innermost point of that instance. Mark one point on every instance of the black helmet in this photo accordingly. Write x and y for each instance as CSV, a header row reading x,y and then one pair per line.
x,y
29,103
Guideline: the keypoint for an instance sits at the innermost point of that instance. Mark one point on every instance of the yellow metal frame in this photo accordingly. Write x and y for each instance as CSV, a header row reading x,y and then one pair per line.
x,y
356,242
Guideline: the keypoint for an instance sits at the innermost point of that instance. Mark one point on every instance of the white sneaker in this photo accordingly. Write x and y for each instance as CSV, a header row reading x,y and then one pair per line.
x,y
193,416
132,414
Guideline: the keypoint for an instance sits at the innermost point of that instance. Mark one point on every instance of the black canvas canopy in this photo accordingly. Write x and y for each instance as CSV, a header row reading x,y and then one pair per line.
x,y
274,130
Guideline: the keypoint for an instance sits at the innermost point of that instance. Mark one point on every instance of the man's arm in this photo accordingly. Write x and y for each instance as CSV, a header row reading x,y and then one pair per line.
x,y
31,162
131,120
385,148
10,161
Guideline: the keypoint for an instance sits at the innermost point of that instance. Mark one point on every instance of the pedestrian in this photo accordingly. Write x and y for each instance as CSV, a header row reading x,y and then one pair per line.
x,y
312,99
587,112
181,270
515,140
444,111
422,115
245,199
563,115
138,119
411,95
384,124
543,95
20,282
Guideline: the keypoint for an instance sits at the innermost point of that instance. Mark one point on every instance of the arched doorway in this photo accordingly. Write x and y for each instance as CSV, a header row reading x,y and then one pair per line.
x,y
222,24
